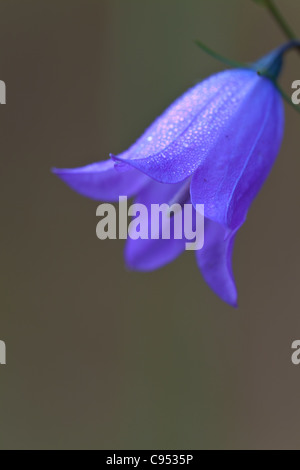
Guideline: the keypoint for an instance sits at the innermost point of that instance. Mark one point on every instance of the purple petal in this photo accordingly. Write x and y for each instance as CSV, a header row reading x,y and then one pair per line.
x,y
179,141
214,261
148,255
233,172
101,181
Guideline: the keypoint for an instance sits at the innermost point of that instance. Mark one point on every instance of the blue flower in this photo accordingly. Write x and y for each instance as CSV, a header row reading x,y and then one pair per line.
x,y
215,146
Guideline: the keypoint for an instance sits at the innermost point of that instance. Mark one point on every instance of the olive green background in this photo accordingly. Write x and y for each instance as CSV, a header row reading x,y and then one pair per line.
x,y
99,357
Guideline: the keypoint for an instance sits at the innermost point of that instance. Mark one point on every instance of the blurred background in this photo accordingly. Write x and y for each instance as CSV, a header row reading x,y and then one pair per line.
x,y
99,357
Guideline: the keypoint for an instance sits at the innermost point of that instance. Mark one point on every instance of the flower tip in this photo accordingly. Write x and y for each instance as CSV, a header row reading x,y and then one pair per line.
x,y
232,301
58,172
229,295
233,298
135,264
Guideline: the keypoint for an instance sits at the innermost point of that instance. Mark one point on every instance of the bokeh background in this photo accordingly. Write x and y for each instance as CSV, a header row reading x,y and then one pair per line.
x,y
99,357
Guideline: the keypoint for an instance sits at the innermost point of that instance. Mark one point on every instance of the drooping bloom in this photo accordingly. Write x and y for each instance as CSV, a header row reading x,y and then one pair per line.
x,y
215,146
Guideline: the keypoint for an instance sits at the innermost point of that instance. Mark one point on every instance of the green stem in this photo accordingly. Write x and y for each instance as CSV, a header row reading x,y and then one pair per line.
x,y
224,60
274,10
270,5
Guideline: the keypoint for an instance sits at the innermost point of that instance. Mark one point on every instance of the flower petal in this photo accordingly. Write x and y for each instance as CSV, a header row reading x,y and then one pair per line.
x,y
214,261
101,181
188,131
150,254
232,174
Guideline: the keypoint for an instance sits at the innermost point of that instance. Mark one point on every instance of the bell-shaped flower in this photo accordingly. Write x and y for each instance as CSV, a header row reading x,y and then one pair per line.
x,y
215,146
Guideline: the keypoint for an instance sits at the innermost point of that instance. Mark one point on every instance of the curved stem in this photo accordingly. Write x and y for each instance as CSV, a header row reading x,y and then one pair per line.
x,y
217,56
278,17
